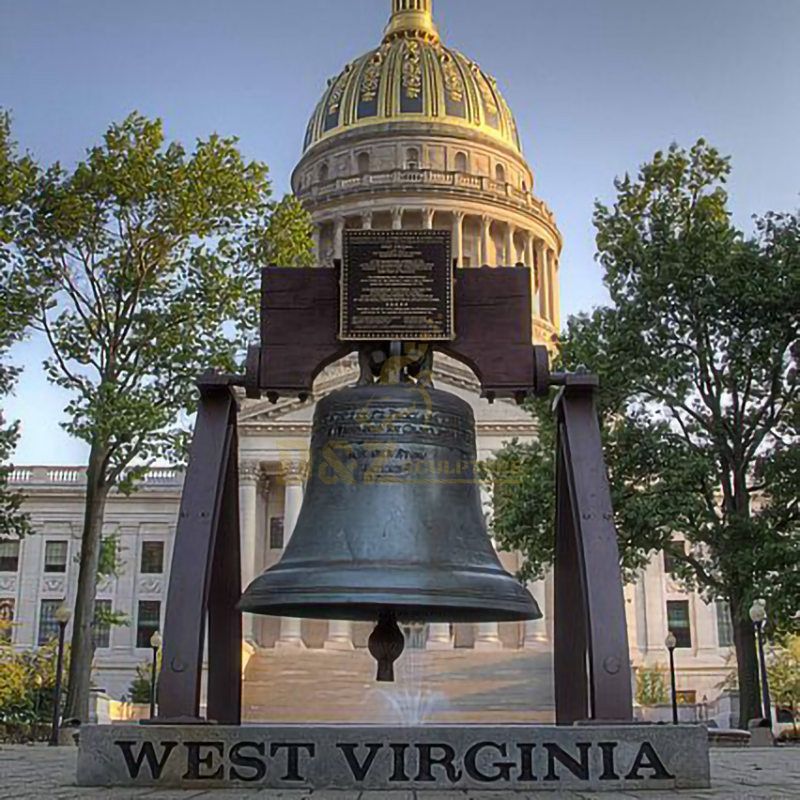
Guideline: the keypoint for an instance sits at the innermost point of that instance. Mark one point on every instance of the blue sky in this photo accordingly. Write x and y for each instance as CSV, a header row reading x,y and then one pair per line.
x,y
597,87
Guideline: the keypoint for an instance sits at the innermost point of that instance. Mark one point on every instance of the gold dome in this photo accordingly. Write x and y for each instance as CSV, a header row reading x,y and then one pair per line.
x,y
413,77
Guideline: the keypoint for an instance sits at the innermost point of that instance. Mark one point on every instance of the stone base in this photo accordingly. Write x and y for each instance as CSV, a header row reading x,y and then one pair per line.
x,y
339,645
487,645
435,758
290,644
440,644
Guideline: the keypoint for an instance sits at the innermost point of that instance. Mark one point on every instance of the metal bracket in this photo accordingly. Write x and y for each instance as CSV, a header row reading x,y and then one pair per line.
x,y
591,658
205,579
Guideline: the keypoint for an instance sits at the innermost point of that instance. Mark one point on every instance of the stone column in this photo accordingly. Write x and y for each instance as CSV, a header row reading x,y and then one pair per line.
x,y
338,237
542,269
458,236
536,629
249,477
427,218
123,637
366,221
291,634
511,256
439,637
551,295
317,239
487,636
556,290
397,219
340,635
530,261
486,224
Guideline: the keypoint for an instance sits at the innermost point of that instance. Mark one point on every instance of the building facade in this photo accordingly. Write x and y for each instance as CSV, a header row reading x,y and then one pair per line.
x,y
411,135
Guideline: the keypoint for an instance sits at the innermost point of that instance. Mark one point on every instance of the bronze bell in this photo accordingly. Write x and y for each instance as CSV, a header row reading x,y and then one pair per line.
x,y
391,527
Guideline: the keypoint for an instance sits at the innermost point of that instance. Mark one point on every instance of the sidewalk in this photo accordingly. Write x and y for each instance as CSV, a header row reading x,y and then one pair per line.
x,y
42,773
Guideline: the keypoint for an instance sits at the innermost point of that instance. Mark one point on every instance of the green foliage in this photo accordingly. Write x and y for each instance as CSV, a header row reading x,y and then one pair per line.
x,y
17,174
27,684
139,690
109,564
783,670
143,260
699,410
651,686
146,254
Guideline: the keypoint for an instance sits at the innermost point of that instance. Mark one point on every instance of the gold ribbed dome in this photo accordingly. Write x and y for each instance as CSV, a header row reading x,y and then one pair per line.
x,y
413,77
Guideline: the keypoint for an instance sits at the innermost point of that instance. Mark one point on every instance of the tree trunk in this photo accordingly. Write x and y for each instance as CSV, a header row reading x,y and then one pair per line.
x,y
746,664
82,649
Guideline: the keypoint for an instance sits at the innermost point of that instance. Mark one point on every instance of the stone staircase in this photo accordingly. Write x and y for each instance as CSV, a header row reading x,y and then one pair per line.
x,y
459,686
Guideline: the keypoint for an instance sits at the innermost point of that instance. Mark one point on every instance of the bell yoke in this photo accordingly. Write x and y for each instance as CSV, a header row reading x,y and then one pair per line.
x,y
391,528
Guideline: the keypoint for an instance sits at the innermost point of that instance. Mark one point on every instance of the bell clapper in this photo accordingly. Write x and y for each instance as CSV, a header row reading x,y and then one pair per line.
x,y
386,645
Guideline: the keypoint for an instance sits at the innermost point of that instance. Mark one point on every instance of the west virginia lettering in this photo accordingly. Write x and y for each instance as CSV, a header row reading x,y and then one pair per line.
x,y
393,763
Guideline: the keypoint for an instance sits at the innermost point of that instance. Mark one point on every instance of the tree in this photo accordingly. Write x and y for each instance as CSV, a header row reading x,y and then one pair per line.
x,y
699,400
17,174
651,686
784,675
147,255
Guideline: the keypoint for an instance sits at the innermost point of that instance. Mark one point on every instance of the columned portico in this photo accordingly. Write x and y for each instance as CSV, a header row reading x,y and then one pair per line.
x,y
250,476
338,241
486,225
291,632
536,629
510,255
458,236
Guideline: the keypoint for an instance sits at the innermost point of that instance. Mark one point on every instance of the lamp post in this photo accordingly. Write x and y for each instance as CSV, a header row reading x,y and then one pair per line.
x,y
758,616
62,618
155,643
671,642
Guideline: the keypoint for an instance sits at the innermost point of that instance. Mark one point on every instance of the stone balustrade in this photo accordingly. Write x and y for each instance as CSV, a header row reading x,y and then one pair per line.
x,y
76,476
427,177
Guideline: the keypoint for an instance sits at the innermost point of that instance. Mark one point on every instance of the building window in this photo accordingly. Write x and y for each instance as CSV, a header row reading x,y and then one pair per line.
x,y
686,697
152,562
276,533
55,556
9,555
148,621
500,173
101,627
724,624
678,621
323,173
48,624
6,620
672,551
412,158
363,163
461,162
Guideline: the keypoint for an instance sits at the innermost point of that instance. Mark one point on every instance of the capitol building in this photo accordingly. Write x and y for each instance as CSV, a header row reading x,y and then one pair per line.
x,y
411,135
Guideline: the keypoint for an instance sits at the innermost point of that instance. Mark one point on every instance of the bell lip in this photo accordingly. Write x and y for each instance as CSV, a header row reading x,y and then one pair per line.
x,y
359,592
370,611
367,604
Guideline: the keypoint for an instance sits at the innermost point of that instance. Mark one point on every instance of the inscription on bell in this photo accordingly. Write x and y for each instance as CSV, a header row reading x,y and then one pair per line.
x,y
397,285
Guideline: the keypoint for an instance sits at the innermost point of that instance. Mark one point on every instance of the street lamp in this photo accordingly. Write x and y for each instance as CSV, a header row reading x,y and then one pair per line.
x,y
671,642
62,616
155,643
758,615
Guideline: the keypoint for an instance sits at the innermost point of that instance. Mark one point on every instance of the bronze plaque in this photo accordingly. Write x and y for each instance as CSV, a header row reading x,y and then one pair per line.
x,y
397,285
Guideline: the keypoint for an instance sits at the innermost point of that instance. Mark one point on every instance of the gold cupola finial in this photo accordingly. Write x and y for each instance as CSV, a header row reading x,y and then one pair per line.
x,y
412,18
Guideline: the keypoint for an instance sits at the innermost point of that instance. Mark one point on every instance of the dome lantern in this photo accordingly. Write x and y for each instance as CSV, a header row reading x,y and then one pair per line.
x,y
412,18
